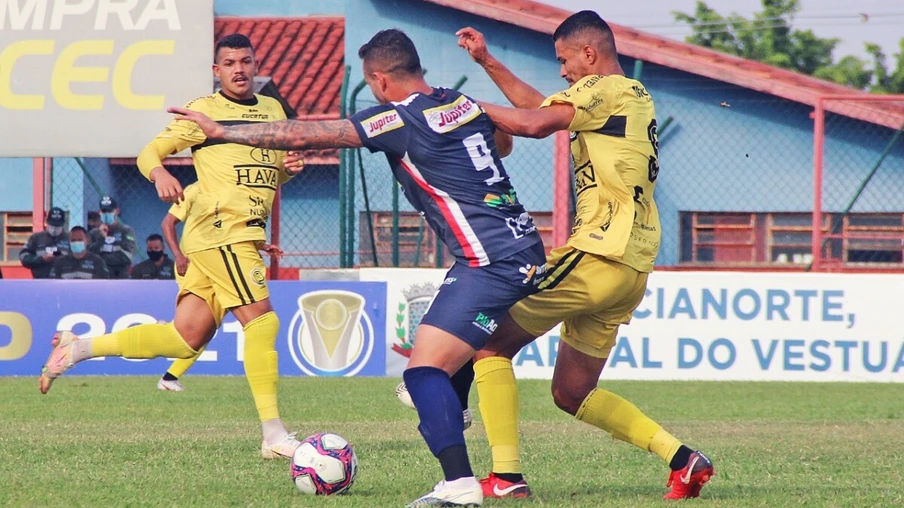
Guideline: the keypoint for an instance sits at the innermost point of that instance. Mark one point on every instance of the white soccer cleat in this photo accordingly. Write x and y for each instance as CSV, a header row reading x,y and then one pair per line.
x,y
447,495
282,449
401,392
170,386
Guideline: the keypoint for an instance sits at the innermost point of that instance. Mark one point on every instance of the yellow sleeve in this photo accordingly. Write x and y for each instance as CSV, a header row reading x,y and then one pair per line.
x,y
593,103
181,210
177,136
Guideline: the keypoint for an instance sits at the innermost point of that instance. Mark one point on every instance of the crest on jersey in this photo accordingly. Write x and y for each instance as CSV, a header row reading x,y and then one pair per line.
x,y
449,117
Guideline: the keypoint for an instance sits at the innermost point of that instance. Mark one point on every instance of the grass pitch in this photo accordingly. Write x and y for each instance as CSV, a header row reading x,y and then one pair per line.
x,y
117,441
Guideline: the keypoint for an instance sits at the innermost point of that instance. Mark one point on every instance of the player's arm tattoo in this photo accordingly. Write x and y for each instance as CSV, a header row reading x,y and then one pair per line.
x,y
295,134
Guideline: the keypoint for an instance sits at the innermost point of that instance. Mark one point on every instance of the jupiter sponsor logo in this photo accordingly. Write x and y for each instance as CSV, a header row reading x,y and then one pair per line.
x,y
451,116
384,122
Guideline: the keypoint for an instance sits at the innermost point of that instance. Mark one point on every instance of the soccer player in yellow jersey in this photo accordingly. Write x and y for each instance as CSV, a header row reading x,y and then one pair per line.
x,y
235,191
177,213
599,277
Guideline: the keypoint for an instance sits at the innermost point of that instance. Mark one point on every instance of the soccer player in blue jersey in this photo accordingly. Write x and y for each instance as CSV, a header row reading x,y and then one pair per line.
x,y
445,153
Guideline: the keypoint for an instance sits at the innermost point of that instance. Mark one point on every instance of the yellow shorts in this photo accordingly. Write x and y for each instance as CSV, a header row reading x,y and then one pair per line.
x,y
226,277
590,295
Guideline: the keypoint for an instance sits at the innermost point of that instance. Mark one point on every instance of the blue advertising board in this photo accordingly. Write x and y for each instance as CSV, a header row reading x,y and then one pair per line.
x,y
326,328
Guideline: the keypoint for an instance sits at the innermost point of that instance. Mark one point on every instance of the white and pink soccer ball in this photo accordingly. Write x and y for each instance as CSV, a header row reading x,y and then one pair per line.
x,y
323,465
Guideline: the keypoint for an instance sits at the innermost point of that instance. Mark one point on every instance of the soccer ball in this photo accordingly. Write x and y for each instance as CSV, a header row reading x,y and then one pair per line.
x,y
324,464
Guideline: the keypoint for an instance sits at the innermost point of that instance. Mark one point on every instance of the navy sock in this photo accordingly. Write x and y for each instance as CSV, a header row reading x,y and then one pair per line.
x,y
169,377
462,381
440,415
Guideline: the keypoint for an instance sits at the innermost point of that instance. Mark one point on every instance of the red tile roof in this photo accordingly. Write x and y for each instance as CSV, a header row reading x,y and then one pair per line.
x,y
694,59
303,56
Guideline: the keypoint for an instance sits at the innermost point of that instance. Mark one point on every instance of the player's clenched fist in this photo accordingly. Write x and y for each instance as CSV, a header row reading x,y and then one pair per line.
x,y
474,43
168,188
294,162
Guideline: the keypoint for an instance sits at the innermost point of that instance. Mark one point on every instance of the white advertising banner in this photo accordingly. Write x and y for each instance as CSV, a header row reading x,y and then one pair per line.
x,y
409,292
93,77
716,326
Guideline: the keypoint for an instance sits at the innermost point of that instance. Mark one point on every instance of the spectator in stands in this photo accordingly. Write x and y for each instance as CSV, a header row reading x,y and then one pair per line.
x,y
93,220
158,265
113,240
46,246
79,264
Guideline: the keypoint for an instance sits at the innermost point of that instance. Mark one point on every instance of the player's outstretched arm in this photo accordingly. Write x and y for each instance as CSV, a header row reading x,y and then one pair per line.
x,y
282,135
519,93
530,123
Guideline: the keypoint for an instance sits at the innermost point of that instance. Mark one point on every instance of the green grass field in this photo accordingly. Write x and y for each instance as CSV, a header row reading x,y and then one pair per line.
x,y
117,441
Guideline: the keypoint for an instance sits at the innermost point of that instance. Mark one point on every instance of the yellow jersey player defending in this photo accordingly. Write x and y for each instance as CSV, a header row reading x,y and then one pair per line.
x,y
177,213
595,282
226,271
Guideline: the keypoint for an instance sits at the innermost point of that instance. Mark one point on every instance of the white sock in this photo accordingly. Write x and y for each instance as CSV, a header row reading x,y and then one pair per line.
x,y
463,483
81,350
273,431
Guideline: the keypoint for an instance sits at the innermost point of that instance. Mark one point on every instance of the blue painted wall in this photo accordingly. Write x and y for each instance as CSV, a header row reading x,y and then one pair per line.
x,y
15,185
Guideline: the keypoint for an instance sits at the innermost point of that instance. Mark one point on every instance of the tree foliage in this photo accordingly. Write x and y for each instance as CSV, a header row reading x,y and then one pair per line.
x,y
770,37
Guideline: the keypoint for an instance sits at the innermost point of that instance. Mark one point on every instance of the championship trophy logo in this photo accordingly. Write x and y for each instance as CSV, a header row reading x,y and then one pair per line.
x,y
418,298
330,334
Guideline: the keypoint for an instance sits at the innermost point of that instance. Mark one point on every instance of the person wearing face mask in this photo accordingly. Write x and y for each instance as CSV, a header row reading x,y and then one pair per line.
x,y
158,265
79,263
113,241
44,247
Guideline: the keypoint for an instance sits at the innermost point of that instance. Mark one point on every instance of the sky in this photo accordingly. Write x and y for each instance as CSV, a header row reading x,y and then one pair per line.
x,y
842,19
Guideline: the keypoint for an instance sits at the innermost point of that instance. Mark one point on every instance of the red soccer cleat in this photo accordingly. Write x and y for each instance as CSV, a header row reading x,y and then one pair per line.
x,y
687,481
497,488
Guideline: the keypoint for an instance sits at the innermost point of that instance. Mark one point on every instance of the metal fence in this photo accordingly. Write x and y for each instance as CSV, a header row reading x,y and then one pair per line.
x,y
858,218
736,190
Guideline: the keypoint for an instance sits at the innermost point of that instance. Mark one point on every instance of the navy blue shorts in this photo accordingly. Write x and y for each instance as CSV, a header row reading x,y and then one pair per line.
x,y
471,302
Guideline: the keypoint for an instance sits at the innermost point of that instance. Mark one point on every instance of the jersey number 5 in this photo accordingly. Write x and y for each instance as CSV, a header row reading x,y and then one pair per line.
x,y
481,156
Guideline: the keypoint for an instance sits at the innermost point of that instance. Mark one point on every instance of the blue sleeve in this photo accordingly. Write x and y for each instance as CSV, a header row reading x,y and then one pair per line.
x,y
382,129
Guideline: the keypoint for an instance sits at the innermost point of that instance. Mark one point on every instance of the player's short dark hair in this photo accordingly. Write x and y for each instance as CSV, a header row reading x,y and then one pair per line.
x,y
78,228
391,51
231,41
583,22
154,236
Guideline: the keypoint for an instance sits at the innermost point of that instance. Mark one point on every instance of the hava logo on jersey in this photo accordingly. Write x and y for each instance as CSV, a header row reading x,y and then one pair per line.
x,y
331,334
382,123
451,116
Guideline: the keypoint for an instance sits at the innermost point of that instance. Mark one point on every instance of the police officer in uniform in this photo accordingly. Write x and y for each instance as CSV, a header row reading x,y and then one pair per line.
x,y
113,241
79,264
44,247
158,265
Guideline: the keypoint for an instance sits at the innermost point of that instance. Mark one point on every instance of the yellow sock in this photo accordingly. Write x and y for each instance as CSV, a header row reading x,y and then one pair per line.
x,y
181,365
142,341
499,409
617,416
261,364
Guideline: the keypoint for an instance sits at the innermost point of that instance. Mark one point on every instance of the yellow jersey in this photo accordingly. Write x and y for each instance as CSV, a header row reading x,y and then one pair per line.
x,y
236,183
615,151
